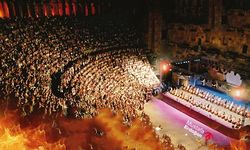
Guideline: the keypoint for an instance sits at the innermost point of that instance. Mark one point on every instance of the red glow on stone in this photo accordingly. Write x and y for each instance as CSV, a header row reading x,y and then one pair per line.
x,y
86,11
52,8
74,8
92,8
60,7
6,9
45,10
1,11
67,8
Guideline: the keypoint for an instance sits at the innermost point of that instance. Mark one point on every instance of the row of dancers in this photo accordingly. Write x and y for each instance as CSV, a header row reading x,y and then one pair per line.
x,y
230,105
208,107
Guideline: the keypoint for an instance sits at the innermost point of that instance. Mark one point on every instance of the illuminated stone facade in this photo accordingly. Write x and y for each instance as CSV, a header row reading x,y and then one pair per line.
x,y
221,24
226,39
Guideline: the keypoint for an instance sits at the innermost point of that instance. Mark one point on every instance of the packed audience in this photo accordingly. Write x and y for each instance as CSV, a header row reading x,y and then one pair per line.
x,y
213,104
74,66
117,80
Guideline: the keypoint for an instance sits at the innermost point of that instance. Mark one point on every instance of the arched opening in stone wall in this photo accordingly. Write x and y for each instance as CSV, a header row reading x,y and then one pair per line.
x,y
244,49
199,42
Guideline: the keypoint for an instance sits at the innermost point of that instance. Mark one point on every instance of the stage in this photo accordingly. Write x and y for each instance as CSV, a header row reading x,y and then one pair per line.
x,y
184,126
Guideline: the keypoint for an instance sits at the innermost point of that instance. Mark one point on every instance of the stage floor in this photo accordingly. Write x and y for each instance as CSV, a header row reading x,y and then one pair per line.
x,y
181,127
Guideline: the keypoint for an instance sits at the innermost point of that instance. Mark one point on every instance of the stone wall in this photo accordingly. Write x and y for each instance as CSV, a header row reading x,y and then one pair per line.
x,y
238,18
154,28
225,38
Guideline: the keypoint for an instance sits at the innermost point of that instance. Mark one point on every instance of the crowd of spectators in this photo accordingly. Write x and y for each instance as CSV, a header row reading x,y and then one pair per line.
x,y
74,66
118,80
